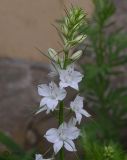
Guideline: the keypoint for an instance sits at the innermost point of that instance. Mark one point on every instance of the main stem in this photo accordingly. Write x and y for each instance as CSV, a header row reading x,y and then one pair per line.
x,y
61,120
61,109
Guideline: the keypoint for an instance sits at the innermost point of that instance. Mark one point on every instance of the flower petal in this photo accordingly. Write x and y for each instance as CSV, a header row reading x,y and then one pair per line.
x,y
63,84
43,90
41,109
69,77
43,102
85,113
62,126
57,146
78,117
61,94
53,85
72,122
77,104
38,157
52,135
77,76
74,85
79,101
73,133
69,145
48,111
51,103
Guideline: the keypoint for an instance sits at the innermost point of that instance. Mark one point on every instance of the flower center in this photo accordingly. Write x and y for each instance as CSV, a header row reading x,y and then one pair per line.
x,y
68,77
62,135
54,94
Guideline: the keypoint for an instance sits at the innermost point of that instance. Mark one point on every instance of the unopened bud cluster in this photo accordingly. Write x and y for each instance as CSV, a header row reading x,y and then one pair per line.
x,y
71,25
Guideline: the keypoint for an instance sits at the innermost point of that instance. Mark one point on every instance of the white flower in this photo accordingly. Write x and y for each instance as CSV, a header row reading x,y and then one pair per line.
x,y
52,94
77,107
63,136
40,157
54,70
69,77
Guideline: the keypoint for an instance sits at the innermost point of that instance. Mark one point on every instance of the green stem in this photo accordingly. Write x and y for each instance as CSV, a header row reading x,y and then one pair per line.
x,y
61,120
61,113
100,48
61,154
66,58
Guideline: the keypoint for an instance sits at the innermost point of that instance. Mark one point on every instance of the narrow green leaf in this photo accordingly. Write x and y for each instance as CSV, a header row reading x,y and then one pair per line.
x,y
10,144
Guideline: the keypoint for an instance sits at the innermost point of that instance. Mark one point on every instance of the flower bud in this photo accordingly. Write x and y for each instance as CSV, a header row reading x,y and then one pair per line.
x,y
76,11
76,55
81,16
65,29
76,26
80,38
53,54
66,21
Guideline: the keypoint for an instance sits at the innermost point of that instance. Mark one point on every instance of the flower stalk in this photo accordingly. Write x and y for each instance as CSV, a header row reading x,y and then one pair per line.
x,y
61,154
54,94
61,112
61,120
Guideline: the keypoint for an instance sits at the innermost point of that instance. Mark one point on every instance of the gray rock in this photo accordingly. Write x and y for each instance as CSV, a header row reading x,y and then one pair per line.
x,y
18,95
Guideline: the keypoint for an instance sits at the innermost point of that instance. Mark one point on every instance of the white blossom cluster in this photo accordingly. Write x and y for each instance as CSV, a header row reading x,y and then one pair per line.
x,y
52,94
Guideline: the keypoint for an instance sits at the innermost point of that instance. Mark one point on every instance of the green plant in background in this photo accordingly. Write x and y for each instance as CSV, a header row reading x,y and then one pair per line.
x,y
96,151
106,52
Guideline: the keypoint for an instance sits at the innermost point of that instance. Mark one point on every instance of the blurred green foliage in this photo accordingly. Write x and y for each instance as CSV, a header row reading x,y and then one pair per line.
x,y
102,86
93,150
13,151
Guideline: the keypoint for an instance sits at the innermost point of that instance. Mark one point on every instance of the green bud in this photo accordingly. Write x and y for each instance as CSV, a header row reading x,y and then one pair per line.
x,y
72,18
80,38
75,27
81,16
64,40
66,21
53,54
76,55
76,11
70,27
64,29
71,12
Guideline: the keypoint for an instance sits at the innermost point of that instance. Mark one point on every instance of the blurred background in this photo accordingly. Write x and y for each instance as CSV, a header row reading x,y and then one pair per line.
x,y
27,25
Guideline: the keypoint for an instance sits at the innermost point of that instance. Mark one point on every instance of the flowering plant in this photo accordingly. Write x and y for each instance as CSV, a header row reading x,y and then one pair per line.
x,y
53,95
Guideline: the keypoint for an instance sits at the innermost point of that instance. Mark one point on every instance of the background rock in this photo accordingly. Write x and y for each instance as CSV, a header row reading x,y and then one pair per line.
x,y
18,94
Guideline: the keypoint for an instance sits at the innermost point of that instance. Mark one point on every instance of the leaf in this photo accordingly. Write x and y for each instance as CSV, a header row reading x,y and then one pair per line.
x,y
120,61
103,11
116,94
10,144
